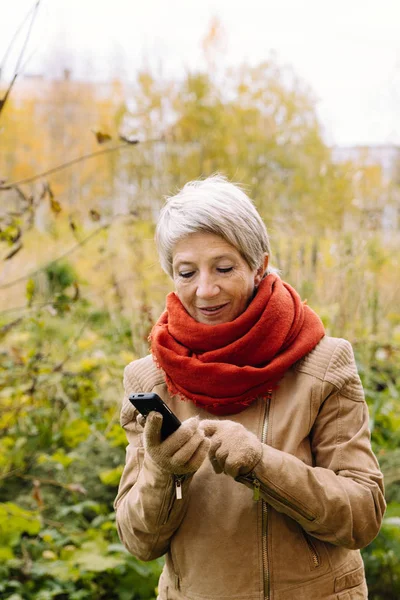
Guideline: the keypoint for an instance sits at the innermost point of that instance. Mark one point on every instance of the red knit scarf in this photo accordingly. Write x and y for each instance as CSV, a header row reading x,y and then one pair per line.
x,y
223,368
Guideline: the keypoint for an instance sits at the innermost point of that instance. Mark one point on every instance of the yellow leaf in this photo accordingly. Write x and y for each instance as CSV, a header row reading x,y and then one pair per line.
x,y
127,357
88,364
30,291
94,215
102,137
111,476
77,431
55,206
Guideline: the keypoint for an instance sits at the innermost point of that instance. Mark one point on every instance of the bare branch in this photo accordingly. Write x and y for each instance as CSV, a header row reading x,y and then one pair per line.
x,y
21,55
6,328
14,251
37,481
72,347
52,262
28,35
39,305
14,37
74,161
8,91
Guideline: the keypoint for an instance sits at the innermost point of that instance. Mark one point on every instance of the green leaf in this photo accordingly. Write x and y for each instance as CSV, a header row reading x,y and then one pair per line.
x,y
392,510
5,553
91,558
30,290
62,570
14,521
117,548
111,476
81,508
59,457
77,431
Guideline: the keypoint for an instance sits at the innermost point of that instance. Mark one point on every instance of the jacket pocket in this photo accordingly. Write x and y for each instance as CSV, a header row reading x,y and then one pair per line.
x,y
358,593
350,580
352,585
315,559
173,564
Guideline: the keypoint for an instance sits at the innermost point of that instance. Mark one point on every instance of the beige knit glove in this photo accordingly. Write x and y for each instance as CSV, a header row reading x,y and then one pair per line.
x,y
182,452
234,450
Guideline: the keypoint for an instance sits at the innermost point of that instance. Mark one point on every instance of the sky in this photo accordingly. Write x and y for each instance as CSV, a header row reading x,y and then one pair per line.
x,y
348,51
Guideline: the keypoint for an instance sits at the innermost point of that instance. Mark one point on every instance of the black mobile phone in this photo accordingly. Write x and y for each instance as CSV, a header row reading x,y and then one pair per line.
x,y
146,403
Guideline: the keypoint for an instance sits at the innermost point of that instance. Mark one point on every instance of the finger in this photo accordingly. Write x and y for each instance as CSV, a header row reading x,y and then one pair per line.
x,y
186,452
152,429
181,436
216,466
141,420
222,457
214,445
199,456
231,467
209,426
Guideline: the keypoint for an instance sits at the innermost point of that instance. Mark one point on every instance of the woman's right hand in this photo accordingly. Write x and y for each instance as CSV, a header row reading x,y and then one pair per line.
x,y
183,452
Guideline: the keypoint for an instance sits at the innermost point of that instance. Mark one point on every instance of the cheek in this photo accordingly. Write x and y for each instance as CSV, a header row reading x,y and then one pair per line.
x,y
183,293
244,289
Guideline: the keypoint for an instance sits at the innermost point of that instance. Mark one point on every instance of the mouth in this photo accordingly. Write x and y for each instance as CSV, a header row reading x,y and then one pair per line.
x,y
212,310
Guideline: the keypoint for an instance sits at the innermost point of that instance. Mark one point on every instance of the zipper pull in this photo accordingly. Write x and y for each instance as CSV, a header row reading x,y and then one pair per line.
x,y
178,488
256,490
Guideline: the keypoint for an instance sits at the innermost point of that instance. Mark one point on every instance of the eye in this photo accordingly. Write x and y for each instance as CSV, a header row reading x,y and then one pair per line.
x,y
224,269
186,274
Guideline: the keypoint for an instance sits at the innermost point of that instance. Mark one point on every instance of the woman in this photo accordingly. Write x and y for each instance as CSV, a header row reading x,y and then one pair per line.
x,y
269,487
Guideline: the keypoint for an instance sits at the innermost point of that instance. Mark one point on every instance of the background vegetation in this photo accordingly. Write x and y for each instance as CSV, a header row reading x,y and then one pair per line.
x,y
81,286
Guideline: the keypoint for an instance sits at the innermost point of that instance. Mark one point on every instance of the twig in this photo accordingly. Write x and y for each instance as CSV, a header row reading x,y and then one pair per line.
x,y
6,328
34,306
52,262
71,487
39,305
74,161
13,473
14,37
21,54
58,367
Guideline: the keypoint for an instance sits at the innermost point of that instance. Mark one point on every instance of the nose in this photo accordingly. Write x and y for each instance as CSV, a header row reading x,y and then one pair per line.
x,y
207,286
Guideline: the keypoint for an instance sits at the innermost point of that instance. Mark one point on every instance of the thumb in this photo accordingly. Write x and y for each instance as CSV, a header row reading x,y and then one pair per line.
x,y
141,420
152,429
209,426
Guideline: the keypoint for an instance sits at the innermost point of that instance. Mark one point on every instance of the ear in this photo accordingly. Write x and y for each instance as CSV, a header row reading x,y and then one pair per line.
x,y
261,270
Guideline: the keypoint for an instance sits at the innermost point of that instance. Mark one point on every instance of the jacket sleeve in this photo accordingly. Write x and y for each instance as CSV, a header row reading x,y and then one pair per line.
x,y
340,499
147,511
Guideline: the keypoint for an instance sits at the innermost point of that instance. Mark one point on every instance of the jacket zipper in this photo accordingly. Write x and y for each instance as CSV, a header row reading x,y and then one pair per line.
x,y
257,486
177,581
256,495
311,547
175,495
177,488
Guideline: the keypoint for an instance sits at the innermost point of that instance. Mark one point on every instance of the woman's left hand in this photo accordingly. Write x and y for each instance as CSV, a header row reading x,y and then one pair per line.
x,y
234,450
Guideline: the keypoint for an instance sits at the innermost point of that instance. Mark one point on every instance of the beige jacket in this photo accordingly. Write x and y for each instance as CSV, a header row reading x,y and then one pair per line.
x,y
319,486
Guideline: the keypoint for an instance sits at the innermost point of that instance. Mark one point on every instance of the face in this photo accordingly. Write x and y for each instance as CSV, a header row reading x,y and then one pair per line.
x,y
212,280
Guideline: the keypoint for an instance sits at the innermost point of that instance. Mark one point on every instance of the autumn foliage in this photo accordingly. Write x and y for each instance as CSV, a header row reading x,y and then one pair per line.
x,y
83,169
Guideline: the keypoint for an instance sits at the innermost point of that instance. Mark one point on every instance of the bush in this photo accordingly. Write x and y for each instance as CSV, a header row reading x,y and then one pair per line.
x,y
59,413
60,382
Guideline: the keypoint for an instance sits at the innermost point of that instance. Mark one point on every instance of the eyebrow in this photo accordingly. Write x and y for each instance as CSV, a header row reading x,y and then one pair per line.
x,y
179,262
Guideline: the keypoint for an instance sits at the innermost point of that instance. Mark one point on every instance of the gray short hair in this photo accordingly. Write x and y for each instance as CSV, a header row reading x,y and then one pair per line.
x,y
212,205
